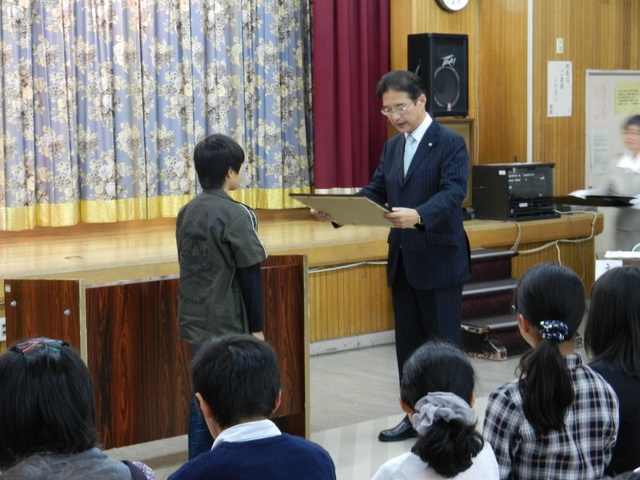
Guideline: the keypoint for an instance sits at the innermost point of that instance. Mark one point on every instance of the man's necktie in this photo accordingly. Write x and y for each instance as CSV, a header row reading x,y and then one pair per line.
x,y
409,150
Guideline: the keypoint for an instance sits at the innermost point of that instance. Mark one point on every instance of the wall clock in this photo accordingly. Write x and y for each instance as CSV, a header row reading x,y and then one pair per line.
x,y
452,5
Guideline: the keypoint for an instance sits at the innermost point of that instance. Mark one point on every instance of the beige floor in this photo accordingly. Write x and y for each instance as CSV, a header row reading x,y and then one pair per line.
x,y
353,397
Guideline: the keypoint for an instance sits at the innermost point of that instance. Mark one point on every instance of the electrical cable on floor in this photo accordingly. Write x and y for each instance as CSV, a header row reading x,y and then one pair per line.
x,y
556,243
515,245
346,265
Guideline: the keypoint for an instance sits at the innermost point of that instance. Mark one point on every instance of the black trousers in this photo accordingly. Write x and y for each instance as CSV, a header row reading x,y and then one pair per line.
x,y
421,315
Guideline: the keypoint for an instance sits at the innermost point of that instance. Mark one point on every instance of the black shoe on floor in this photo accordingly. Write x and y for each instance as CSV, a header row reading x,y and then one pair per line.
x,y
402,431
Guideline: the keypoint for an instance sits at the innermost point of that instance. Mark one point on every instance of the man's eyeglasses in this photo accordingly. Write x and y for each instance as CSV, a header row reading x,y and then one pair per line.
x,y
627,131
399,110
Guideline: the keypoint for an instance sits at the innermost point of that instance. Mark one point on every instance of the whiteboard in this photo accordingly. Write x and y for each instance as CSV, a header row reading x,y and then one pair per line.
x,y
612,96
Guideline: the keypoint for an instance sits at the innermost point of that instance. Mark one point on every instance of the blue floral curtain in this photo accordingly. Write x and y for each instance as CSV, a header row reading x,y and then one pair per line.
x,y
103,102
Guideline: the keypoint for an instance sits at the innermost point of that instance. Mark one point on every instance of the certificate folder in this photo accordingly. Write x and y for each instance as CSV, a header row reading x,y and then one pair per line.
x,y
594,201
346,209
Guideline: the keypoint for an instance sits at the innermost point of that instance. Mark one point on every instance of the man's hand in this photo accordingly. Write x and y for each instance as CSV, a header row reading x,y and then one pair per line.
x,y
323,217
403,217
259,335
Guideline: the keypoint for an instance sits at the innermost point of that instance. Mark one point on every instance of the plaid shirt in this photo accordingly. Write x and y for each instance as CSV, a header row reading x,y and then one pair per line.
x,y
580,451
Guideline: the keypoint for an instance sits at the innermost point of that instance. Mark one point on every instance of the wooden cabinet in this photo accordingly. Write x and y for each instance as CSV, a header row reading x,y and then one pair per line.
x,y
464,127
127,333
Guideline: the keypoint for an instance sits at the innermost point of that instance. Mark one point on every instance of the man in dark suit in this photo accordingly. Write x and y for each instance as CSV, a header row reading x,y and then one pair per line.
x,y
428,250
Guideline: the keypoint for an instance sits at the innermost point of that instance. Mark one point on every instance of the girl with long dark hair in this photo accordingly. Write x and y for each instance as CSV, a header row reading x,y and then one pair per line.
x,y
560,418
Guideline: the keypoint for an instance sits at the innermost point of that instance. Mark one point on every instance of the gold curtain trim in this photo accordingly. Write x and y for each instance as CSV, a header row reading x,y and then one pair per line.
x,y
166,207
26,218
268,198
106,211
132,209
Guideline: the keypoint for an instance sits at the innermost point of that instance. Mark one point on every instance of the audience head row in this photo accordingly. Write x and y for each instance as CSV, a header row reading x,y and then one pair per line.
x,y
47,402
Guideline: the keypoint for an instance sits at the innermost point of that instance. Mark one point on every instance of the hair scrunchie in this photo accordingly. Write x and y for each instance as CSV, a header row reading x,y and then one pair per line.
x,y
436,406
554,330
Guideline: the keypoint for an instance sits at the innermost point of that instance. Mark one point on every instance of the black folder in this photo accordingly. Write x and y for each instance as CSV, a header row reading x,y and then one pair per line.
x,y
594,200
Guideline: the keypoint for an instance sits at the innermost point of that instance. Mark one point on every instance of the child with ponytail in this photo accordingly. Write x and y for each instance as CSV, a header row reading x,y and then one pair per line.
x,y
437,394
560,418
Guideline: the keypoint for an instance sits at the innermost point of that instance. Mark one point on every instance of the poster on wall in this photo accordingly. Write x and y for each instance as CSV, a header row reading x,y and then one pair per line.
x,y
559,89
611,96
627,97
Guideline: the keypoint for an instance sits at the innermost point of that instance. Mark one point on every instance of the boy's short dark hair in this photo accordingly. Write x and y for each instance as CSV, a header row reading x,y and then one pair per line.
x,y
46,401
238,377
401,81
213,157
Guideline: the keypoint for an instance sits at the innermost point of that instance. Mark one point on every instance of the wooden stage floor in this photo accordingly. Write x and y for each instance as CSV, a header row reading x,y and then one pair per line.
x,y
46,251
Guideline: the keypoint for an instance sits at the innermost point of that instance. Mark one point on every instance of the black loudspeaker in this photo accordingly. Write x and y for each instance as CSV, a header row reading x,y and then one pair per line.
x,y
441,60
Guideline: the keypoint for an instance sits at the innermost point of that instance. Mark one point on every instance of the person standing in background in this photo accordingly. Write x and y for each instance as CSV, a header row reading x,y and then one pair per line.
x,y
624,181
219,253
422,177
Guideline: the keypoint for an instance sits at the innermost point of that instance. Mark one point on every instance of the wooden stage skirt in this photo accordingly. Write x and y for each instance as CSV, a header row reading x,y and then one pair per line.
x,y
347,288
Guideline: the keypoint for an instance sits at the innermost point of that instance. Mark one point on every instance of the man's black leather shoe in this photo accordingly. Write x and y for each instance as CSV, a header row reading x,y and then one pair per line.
x,y
402,431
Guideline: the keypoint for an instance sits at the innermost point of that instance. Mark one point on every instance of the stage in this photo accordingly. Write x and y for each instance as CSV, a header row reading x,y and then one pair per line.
x,y
347,301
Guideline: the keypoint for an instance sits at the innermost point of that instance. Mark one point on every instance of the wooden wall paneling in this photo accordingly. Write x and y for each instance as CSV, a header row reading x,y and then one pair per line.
x,y
465,127
319,302
402,22
377,310
322,305
350,301
501,126
552,140
597,35
631,52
